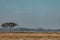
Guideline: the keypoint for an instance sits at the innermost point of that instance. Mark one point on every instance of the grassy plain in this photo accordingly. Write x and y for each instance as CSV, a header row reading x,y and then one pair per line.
x,y
29,35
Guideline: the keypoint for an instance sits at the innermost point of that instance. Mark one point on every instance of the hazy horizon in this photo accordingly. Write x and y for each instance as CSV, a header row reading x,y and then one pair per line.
x,y
31,13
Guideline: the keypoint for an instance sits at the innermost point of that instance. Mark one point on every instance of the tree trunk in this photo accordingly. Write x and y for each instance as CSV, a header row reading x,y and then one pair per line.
x,y
9,29
13,29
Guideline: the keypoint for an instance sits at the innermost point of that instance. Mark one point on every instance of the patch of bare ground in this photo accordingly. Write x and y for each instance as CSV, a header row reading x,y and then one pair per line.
x,y
30,36
30,39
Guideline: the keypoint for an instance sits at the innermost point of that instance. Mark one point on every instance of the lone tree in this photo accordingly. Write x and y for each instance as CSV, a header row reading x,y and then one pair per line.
x,y
9,25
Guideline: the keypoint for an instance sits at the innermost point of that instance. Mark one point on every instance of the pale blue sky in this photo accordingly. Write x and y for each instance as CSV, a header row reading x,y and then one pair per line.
x,y
31,13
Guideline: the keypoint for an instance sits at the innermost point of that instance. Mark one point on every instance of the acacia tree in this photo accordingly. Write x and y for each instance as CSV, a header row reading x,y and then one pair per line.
x,y
9,25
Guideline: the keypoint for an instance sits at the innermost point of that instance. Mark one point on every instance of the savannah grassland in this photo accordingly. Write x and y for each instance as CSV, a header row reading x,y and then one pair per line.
x,y
30,36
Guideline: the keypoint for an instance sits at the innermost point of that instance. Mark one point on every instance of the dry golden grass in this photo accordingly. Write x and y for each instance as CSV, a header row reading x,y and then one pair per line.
x,y
30,36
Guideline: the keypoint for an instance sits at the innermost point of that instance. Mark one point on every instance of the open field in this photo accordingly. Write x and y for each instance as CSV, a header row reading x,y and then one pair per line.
x,y
30,36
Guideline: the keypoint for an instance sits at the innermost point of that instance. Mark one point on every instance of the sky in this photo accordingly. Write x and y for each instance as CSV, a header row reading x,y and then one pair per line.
x,y
31,13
